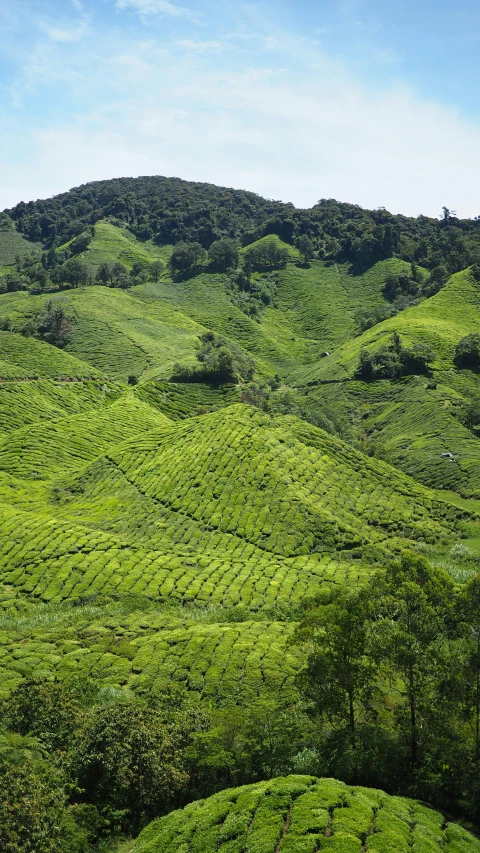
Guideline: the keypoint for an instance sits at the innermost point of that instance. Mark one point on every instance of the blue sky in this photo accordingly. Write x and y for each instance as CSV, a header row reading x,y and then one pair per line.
x,y
365,101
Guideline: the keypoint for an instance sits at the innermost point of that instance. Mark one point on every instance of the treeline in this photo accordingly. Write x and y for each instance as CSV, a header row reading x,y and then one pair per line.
x,y
53,272
169,210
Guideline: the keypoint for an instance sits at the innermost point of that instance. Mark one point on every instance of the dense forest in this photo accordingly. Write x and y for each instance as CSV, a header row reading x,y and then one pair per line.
x,y
169,210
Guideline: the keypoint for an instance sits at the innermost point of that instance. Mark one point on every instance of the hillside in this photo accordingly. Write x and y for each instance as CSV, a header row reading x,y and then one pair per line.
x,y
190,461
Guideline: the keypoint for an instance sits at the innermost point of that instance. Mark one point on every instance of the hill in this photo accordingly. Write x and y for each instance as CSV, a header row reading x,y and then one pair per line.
x,y
191,464
303,814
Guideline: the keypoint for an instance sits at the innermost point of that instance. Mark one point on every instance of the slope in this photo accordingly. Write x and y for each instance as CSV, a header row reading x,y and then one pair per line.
x,y
44,450
148,648
439,322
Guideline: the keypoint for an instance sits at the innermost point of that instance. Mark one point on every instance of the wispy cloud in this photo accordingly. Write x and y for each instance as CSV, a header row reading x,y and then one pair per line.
x,y
66,33
199,46
252,106
147,8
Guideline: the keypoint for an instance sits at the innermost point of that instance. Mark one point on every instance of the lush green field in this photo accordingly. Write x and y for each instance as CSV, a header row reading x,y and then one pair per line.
x,y
439,322
302,814
147,649
158,534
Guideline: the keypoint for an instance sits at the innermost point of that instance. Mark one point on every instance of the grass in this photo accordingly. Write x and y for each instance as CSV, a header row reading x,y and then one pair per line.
x,y
303,814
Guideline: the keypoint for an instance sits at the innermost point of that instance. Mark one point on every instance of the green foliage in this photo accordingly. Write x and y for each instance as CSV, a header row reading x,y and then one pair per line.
x,y
31,809
186,258
265,255
17,749
157,541
223,255
54,323
467,352
301,814
221,362
127,761
305,247
394,361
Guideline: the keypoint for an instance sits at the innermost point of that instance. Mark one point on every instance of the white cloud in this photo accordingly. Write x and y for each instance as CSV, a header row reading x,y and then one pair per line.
x,y
298,133
66,33
147,8
199,46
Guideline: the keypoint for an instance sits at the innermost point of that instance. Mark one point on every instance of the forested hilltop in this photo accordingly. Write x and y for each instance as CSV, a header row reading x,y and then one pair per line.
x,y
239,526
168,210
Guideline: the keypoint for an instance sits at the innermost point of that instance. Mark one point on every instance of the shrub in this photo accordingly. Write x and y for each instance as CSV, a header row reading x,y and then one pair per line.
x,y
394,361
31,810
125,759
221,361
54,323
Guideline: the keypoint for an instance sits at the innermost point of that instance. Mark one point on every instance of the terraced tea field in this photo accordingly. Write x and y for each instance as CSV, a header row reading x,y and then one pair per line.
x,y
439,322
148,649
57,561
179,494
303,814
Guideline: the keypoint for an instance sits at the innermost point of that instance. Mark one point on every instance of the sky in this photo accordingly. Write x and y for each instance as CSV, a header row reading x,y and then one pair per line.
x,y
366,101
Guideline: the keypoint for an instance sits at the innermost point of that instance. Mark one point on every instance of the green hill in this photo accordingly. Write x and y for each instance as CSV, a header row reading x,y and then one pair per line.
x,y
160,540
301,814
439,322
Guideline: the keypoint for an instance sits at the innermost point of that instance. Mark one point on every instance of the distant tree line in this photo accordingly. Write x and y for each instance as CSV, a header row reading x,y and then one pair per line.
x,y
169,210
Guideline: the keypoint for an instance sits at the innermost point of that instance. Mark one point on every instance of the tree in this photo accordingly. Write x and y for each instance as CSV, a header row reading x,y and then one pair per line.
x,y
410,608
31,809
54,323
223,255
394,360
125,759
306,248
186,258
139,272
103,273
155,270
20,749
119,275
265,255
337,675
76,272
469,614
46,709
467,352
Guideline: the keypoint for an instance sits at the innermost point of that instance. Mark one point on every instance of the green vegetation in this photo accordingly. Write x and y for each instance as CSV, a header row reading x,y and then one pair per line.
x,y
240,523
302,813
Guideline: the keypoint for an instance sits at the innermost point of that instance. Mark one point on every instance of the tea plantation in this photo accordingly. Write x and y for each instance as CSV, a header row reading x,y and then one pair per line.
x,y
302,814
191,462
